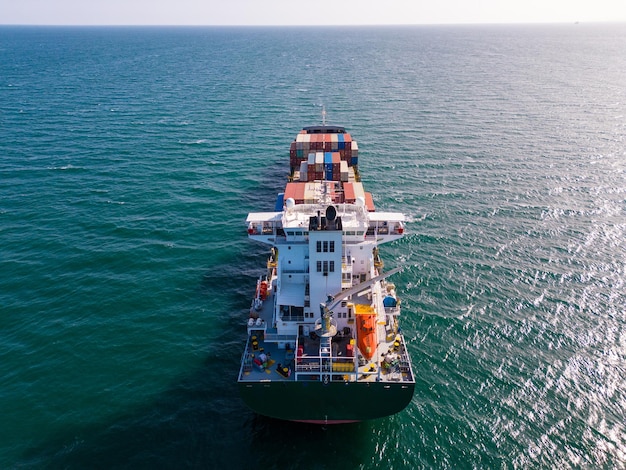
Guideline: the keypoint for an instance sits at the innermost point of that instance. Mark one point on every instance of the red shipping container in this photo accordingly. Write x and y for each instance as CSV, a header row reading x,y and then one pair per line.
x,y
300,193
348,193
290,191
295,191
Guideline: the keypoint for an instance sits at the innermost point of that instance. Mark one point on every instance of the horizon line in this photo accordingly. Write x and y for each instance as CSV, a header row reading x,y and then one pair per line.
x,y
200,25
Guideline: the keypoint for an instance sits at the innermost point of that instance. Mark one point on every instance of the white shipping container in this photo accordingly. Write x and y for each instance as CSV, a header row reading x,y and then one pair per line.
x,y
358,189
310,193
319,161
345,175
304,171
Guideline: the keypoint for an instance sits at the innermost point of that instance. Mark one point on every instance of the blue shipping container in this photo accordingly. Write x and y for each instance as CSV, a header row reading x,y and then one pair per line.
x,y
279,202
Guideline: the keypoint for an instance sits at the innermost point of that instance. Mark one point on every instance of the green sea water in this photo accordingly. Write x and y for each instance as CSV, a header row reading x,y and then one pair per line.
x,y
130,157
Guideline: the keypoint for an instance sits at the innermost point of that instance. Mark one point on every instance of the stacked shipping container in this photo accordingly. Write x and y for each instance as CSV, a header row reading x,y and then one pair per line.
x,y
329,171
303,192
305,144
324,161
310,192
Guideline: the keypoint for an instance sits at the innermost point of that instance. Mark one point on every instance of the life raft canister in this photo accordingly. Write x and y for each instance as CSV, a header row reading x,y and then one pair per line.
x,y
263,290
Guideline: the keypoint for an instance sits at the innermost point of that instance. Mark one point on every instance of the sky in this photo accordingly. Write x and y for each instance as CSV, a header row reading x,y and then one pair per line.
x,y
313,12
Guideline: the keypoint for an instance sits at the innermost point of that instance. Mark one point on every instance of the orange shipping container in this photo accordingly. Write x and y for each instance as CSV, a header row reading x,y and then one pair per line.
x,y
348,193
295,191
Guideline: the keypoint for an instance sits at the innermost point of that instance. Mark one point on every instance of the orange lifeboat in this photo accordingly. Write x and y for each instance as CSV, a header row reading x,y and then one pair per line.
x,y
366,330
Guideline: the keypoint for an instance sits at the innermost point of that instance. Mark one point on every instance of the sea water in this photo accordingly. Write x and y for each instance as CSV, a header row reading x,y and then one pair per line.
x,y
130,157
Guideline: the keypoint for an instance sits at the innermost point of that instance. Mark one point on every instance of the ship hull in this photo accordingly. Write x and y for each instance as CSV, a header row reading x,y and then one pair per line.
x,y
332,403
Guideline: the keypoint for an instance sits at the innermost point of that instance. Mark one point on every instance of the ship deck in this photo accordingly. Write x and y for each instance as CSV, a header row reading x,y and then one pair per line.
x,y
298,358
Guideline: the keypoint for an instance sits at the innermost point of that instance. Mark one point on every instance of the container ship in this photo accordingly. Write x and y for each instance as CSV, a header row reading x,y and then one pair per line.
x,y
323,338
